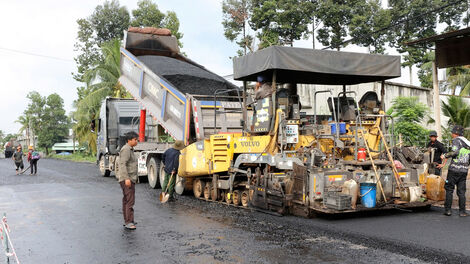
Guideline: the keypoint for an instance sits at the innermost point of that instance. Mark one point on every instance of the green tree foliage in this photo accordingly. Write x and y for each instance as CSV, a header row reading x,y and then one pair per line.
x,y
147,14
288,19
418,23
107,22
102,81
425,70
414,25
25,122
457,111
48,119
236,15
408,114
336,17
367,23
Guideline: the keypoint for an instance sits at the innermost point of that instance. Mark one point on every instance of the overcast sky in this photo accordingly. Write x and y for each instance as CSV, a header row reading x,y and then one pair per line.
x,y
48,28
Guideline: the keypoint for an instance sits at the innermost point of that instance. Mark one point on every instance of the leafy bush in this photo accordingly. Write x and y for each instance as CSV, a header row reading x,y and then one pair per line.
x,y
408,114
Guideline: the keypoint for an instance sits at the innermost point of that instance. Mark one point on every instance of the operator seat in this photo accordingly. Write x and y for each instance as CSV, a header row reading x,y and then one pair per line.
x,y
346,106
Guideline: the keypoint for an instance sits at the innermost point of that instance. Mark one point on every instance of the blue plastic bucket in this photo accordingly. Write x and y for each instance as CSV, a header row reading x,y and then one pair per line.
x,y
333,128
368,194
342,128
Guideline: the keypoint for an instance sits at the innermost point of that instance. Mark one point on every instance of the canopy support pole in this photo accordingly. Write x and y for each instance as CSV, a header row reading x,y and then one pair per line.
x,y
244,129
437,102
382,96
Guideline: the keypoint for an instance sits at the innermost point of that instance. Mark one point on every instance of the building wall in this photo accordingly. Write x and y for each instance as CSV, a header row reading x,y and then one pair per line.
x,y
392,90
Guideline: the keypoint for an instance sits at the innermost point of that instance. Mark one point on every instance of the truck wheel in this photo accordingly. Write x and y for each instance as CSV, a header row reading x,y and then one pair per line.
x,y
208,191
236,197
152,173
104,172
245,198
116,168
161,174
198,188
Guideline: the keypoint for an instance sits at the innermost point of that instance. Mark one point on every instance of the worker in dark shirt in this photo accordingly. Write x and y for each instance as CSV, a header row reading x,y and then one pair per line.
x,y
171,162
439,149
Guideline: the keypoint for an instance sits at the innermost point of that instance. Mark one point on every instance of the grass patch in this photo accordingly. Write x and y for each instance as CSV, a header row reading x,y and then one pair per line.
x,y
77,157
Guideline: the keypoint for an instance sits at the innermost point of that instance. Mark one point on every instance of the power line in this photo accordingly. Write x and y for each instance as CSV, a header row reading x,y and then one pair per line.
x,y
398,22
36,54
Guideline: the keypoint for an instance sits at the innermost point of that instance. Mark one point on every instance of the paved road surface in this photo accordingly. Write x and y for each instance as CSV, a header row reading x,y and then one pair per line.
x,y
69,214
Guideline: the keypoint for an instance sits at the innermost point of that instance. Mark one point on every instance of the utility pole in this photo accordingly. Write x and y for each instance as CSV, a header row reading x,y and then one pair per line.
x,y
436,100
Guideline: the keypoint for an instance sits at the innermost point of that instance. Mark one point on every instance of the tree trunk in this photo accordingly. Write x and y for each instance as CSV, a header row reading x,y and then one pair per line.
x,y
411,74
27,136
47,151
244,37
313,33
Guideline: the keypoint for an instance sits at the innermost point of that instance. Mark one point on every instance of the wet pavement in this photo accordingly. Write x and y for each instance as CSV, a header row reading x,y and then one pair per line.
x,y
69,214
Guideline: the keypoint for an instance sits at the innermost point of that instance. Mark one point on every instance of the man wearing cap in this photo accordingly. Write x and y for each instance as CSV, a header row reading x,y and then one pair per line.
x,y
127,176
263,88
171,162
439,149
458,170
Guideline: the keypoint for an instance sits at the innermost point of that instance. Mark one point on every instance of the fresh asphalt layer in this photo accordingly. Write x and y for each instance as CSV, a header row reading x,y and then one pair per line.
x,y
67,213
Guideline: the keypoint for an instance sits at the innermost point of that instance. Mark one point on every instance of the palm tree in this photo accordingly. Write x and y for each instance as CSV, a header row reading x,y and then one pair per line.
x,y
101,81
457,111
459,77
25,122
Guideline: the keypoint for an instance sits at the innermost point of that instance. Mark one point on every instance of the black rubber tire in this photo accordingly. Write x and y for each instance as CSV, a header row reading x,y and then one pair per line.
x,y
153,169
161,174
208,191
198,188
236,197
104,172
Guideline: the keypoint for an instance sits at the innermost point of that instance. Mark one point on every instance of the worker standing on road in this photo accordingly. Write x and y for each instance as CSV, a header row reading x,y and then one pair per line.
x,y
33,157
439,149
171,162
18,159
127,176
458,170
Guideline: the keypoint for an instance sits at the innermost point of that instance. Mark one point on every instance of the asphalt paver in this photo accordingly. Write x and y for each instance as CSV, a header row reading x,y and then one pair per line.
x,y
67,213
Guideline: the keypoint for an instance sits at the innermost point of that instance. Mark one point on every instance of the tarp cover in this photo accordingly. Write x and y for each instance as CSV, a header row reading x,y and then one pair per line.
x,y
309,66
186,77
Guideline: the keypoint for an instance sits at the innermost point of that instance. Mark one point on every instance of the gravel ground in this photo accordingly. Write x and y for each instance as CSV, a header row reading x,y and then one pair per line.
x,y
69,214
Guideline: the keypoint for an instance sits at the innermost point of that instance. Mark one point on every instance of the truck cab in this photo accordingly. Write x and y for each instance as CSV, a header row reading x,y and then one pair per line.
x,y
117,117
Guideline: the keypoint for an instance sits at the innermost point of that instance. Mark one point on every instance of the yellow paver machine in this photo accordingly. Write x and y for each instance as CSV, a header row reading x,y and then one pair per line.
x,y
285,162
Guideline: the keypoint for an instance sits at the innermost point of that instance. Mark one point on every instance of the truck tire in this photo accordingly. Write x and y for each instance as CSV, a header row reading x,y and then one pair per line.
x,y
198,188
104,172
236,197
208,190
153,170
161,173
116,168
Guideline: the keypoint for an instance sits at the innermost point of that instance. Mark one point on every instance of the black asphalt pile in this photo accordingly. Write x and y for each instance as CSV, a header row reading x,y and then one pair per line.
x,y
186,77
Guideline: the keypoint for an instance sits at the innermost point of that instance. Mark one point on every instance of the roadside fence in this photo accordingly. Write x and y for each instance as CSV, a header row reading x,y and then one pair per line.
x,y
6,241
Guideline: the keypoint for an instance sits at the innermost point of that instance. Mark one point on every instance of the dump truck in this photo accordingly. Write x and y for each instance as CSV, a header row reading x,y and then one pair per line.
x,y
245,150
186,101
